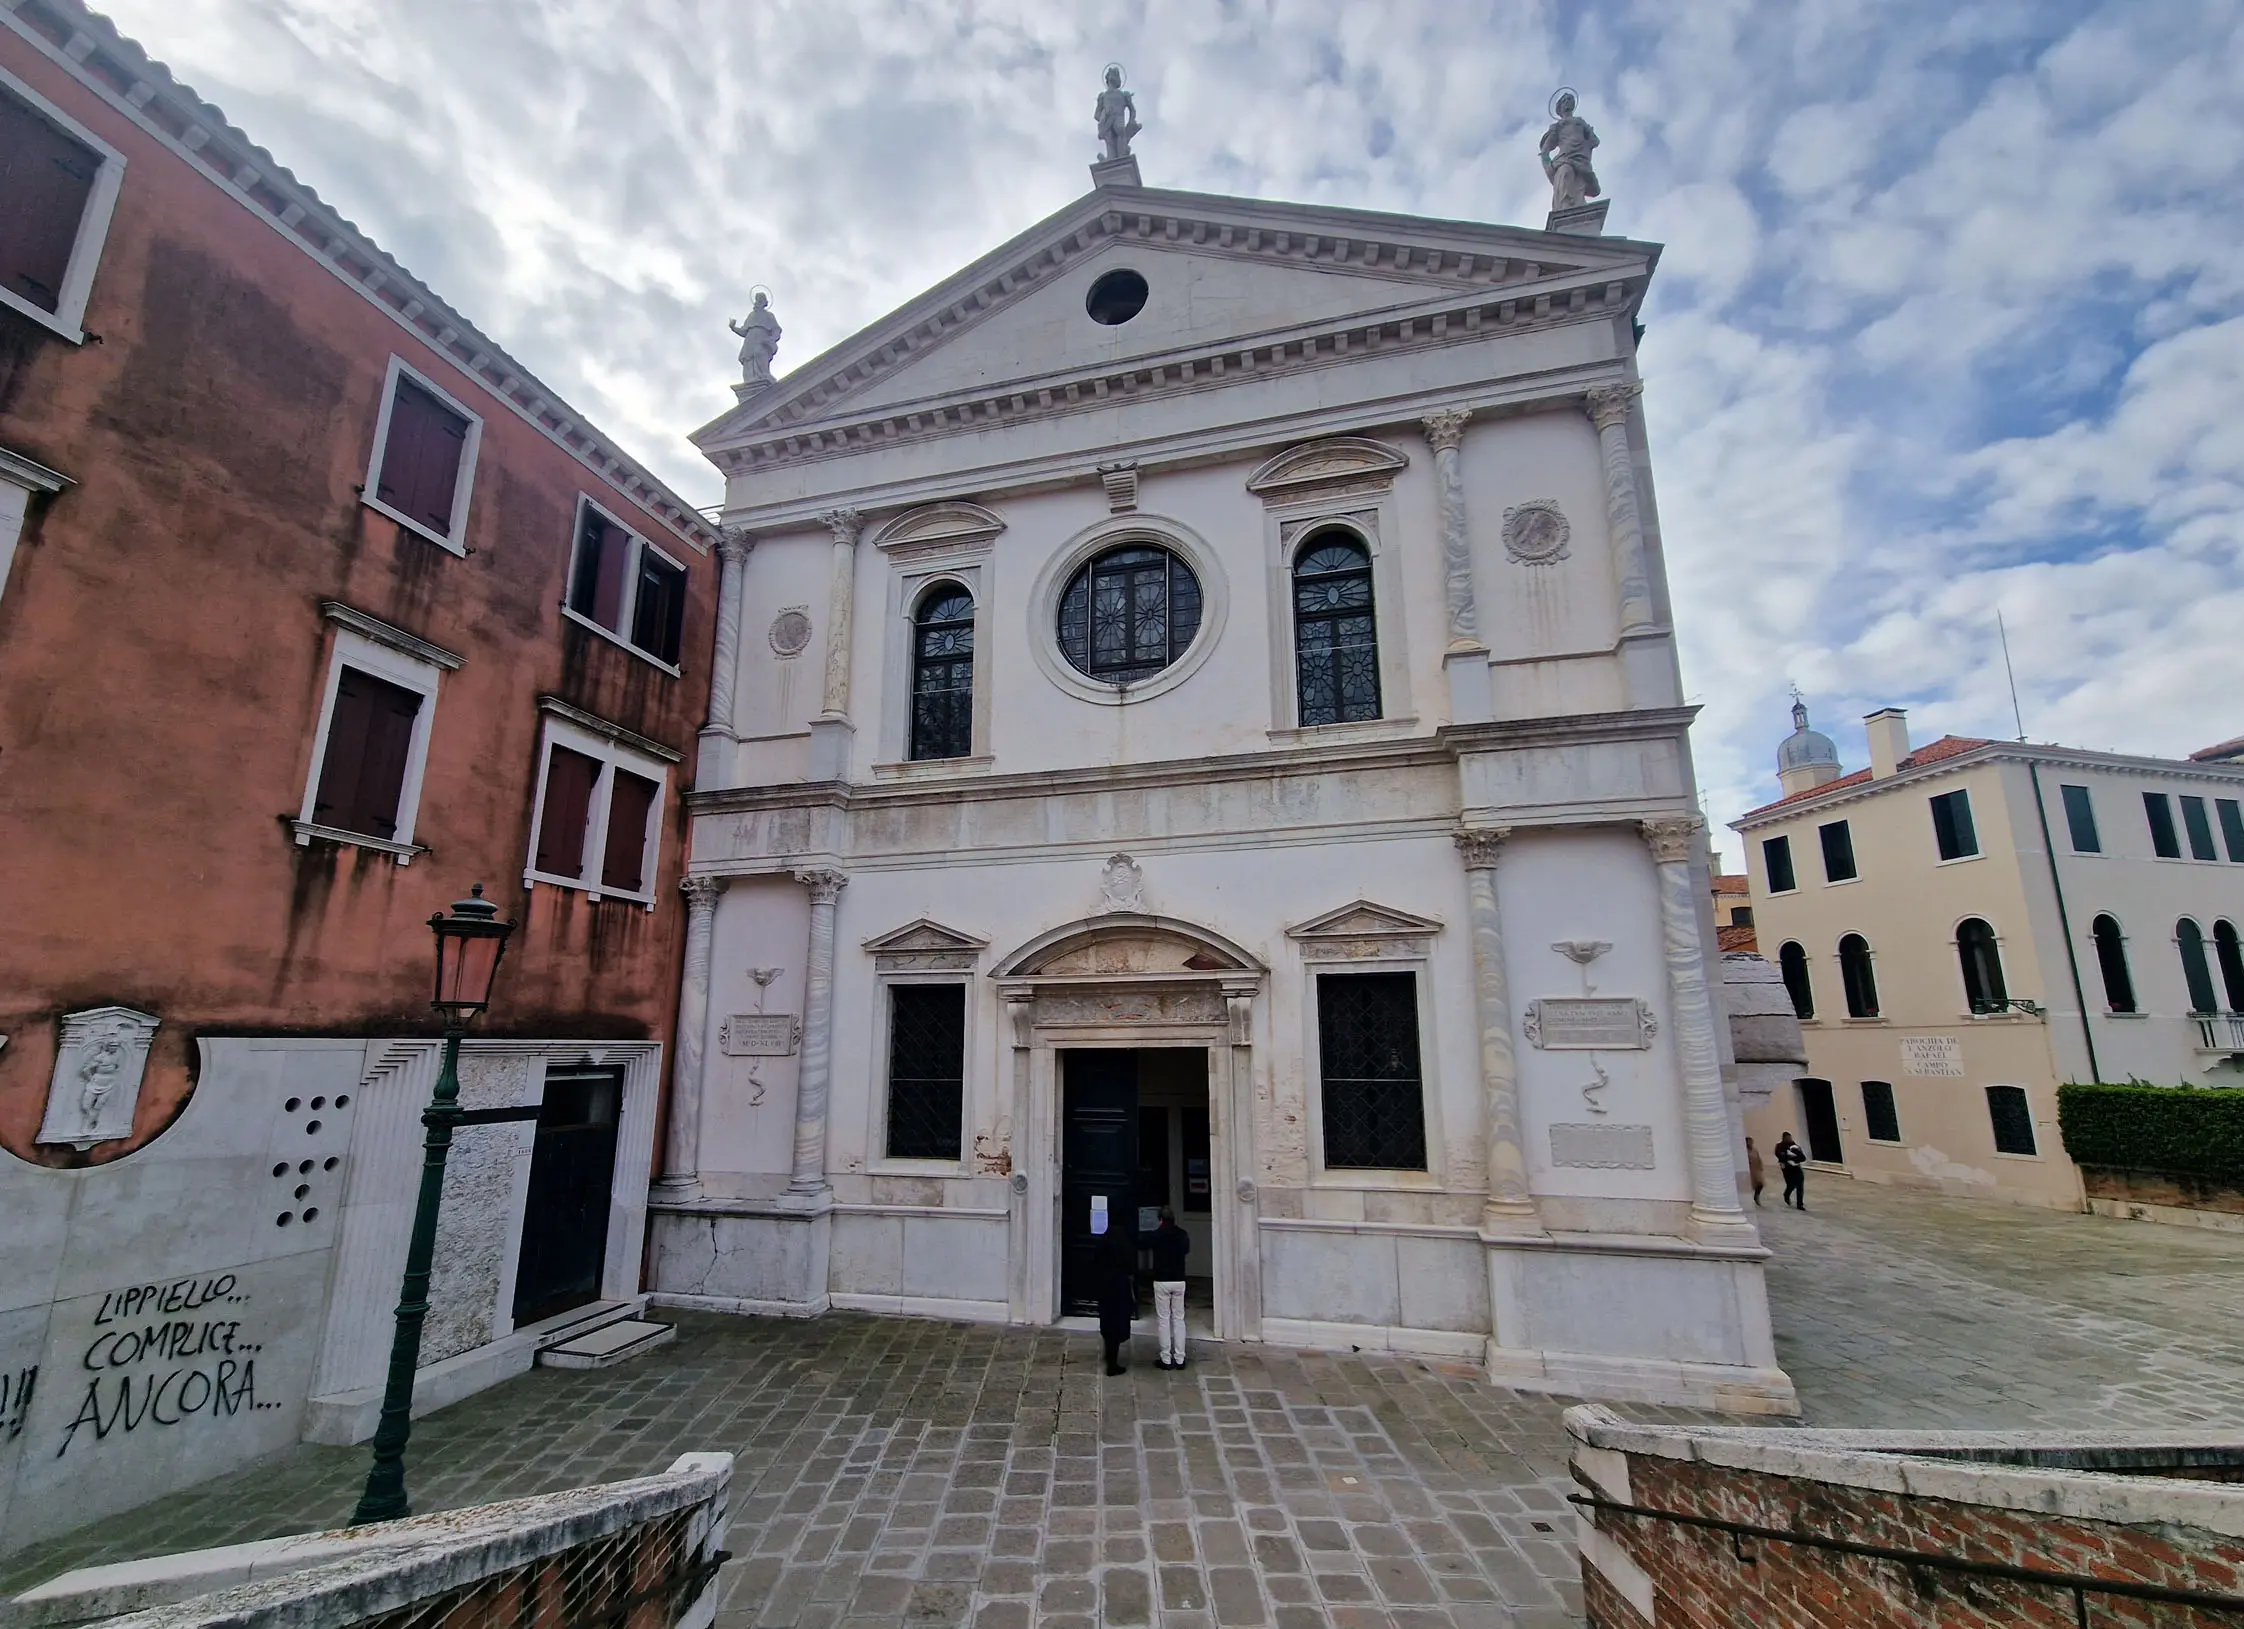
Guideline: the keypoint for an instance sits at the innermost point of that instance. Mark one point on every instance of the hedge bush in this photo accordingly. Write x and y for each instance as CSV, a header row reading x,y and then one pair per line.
x,y
2182,1130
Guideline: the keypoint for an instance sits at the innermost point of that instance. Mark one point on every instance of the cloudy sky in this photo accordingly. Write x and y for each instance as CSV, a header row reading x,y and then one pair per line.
x,y
1949,319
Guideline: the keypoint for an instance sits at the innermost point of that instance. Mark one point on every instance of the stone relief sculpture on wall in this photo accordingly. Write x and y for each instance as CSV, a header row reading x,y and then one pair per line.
x,y
759,343
96,1082
1117,116
1565,148
1121,885
1536,532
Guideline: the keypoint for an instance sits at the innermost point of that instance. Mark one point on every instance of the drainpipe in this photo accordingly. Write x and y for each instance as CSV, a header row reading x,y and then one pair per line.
x,y
2064,923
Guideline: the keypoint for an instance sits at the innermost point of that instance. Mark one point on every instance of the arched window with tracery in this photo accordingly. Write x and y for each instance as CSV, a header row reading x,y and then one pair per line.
x,y
2230,955
1982,966
1335,636
2197,973
1792,962
943,674
2111,961
1855,975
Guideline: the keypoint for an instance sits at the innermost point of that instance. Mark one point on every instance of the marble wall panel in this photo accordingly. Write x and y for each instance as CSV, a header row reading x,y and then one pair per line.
x,y
1332,1277
868,1255
955,1260
1444,1283
1670,1308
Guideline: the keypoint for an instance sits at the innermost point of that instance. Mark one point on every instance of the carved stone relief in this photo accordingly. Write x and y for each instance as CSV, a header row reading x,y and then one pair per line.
x,y
98,1070
1111,1006
1122,885
790,631
1589,1024
1536,532
1602,1147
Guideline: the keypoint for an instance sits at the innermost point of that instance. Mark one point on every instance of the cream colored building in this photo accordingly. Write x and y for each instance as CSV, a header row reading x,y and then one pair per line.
x,y
1969,925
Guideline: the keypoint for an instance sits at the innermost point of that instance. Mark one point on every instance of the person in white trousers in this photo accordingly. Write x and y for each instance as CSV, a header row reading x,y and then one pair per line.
x,y
1170,1245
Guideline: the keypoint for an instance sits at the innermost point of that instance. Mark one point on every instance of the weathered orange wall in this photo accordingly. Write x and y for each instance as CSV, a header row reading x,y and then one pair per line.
x,y
162,657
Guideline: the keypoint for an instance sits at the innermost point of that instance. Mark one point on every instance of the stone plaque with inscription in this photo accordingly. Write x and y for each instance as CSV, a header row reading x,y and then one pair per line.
x,y
1589,1024
759,1035
1602,1147
1932,1055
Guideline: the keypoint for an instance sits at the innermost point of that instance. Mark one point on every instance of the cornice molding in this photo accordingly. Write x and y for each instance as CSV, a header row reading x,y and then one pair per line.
x,y
1772,814
389,634
607,730
28,473
87,46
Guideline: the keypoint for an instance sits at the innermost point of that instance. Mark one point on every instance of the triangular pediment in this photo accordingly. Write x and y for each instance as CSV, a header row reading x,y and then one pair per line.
x,y
1221,272
1364,920
925,934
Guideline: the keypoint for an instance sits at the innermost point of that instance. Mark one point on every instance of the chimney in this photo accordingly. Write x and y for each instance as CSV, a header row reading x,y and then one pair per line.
x,y
1889,740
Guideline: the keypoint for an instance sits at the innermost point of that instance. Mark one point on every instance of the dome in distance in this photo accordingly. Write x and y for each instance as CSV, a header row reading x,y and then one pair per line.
x,y
1806,758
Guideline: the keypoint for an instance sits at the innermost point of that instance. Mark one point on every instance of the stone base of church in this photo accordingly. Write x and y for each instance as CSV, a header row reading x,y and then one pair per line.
x,y
747,1256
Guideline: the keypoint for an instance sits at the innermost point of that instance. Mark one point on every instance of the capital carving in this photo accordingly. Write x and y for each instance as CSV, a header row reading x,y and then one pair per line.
x,y
701,892
1445,429
735,544
1610,405
847,525
1673,840
825,886
1479,845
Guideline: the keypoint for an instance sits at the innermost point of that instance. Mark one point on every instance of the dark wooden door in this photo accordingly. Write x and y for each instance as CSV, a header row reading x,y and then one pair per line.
x,y
572,1180
1098,1161
1822,1117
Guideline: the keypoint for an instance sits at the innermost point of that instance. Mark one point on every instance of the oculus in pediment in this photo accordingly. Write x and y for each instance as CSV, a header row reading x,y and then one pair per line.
x,y
1349,465
932,526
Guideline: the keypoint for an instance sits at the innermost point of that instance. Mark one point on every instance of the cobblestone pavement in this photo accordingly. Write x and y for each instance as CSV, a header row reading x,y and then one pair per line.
x,y
893,1472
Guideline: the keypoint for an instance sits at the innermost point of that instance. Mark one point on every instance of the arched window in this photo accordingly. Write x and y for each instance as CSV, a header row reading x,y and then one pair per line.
x,y
1335,643
2195,971
1792,962
1128,613
1854,973
2111,958
2230,955
943,674
1982,966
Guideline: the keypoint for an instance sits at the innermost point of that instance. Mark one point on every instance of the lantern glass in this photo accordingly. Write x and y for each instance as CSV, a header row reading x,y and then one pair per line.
x,y
470,939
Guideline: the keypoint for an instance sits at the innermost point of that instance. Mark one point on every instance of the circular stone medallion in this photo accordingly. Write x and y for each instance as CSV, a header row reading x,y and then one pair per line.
x,y
1536,532
790,632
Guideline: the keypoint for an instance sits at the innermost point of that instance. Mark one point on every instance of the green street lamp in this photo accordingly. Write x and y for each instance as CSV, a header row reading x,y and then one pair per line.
x,y
469,942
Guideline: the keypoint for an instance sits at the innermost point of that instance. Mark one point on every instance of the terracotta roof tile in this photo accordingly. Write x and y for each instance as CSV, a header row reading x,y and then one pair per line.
x,y
1731,885
1948,746
1739,937
2220,753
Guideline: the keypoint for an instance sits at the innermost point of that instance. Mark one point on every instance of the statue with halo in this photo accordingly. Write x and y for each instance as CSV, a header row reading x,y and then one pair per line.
x,y
759,343
1565,148
1117,115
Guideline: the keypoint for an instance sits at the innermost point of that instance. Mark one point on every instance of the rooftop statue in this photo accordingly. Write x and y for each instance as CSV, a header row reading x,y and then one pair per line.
x,y
759,343
1117,114
1566,149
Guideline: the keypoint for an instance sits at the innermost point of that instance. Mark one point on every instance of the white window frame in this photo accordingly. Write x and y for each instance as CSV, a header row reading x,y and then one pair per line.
x,y
93,226
463,486
1418,962
630,608
1289,529
910,582
878,1161
611,755
414,672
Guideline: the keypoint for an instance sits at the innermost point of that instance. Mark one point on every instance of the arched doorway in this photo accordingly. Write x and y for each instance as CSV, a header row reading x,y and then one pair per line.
x,y
1132,1041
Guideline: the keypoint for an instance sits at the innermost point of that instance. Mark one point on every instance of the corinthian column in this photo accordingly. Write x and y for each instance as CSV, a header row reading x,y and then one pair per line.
x,y
1466,660
681,1154
814,1083
846,525
1510,1207
1609,410
1706,1114
714,766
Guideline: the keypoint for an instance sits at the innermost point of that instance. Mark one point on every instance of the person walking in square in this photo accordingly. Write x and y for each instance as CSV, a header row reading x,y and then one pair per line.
x,y
1171,1245
1118,1293
1794,1159
1755,1169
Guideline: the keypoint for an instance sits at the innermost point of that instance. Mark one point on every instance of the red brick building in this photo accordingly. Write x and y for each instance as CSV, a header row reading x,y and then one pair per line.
x,y
315,608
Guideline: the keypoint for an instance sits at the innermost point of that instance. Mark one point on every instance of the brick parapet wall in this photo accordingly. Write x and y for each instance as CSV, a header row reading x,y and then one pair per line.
x,y
1939,1497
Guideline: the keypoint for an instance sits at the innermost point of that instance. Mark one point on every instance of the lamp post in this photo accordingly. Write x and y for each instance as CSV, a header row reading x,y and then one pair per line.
x,y
469,942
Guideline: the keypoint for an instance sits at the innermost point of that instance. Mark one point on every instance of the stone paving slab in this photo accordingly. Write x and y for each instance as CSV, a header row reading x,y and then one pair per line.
x,y
903,1473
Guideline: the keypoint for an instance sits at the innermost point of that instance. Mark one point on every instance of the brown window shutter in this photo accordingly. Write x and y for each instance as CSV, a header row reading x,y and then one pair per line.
x,y
569,779
45,180
421,457
369,737
658,618
629,802
603,557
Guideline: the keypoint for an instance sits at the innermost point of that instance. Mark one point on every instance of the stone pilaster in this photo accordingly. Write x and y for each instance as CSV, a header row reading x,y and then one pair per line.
x,y
1466,660
681,1154
1706,1118
1609,409
814,1082
831,731
715,765
1510,1207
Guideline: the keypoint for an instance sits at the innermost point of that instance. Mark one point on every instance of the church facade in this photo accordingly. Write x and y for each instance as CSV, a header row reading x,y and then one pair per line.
x,y
1195,722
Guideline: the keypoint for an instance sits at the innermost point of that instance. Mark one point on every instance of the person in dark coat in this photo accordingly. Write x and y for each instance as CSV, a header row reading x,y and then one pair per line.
x,y
1118,1293
1794,1159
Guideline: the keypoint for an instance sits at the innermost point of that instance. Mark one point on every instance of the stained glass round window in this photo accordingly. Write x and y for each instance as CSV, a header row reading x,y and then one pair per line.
x,y
1128,613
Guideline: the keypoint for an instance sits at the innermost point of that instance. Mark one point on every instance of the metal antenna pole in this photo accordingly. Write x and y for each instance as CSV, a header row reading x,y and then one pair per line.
x,y
2016,716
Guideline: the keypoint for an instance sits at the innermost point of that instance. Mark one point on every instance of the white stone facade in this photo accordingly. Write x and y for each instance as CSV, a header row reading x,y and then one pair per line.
x,y
1173,862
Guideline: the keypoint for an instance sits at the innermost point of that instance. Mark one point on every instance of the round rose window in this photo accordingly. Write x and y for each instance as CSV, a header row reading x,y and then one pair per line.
x,y
1128,613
